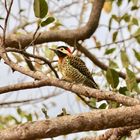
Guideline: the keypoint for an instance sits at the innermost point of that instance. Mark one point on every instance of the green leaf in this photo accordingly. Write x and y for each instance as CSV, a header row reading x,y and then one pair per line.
x,y
1,126
56,25
123,90
1,18
103,106
129,27
112,64
110,23
113,104
130,80
40,8
135,2
47,21
109,51
29,117
49,53
134,7
93,102
21,10
19,111
114,36
135,21
126,17
10,118
124,59
36,116
119,2
137,35
116,18
45,112
137,55
112,77
124,137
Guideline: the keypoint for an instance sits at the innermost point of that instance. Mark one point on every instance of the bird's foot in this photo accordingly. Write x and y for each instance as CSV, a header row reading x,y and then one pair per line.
x,y
62,79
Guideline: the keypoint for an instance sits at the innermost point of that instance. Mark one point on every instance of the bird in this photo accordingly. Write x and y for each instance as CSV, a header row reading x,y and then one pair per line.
x,y
72,68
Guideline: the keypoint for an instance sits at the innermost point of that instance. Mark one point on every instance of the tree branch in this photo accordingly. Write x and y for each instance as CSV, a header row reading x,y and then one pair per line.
x,y
114,134
34,56
95,120
8,10
18,103
61,35
86,91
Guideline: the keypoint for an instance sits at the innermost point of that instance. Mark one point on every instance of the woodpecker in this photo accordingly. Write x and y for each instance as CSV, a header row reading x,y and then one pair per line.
x,y
72,68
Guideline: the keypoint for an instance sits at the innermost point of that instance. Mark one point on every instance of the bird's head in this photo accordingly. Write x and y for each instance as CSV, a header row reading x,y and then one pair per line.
x,y
62,51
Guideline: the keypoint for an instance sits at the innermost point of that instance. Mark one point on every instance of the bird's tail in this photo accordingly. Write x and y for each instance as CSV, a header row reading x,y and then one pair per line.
x,y
91,84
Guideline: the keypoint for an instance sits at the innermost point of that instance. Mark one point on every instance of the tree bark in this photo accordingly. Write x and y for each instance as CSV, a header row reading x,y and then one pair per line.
x,y
95,120
75,88
81,33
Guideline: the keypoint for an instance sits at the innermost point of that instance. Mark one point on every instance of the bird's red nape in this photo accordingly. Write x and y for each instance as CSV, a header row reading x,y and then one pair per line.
x,y
68,49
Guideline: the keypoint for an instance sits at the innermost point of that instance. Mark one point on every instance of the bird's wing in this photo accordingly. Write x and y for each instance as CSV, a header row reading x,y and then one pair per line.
x,y
77,63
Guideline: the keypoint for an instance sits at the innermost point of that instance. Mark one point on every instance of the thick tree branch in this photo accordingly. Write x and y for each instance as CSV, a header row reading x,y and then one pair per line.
x,y
114,134
86,91
69,36
95,120
61,35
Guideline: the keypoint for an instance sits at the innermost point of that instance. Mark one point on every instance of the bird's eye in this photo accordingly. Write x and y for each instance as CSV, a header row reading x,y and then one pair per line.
x,y
61,49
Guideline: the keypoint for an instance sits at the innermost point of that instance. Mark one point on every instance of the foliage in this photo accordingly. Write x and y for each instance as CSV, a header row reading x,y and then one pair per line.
x,y
115,44
41,10
112,77
20,117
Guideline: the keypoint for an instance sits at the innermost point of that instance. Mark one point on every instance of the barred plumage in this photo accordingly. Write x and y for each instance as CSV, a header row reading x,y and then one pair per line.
x,y
73,68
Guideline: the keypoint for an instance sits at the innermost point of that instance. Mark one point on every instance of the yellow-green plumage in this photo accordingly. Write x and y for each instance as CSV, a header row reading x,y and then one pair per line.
x,y
72,68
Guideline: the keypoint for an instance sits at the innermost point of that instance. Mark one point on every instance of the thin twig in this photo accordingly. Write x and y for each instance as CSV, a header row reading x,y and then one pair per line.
x,y
5,4
34,38
34,56
27,101
6,20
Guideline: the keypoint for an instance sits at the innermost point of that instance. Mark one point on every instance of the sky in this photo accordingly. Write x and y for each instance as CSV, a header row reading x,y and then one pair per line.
x,y
66,99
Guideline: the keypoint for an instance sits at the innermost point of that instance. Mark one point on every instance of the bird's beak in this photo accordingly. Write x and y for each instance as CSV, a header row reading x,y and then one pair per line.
x,y
52,49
